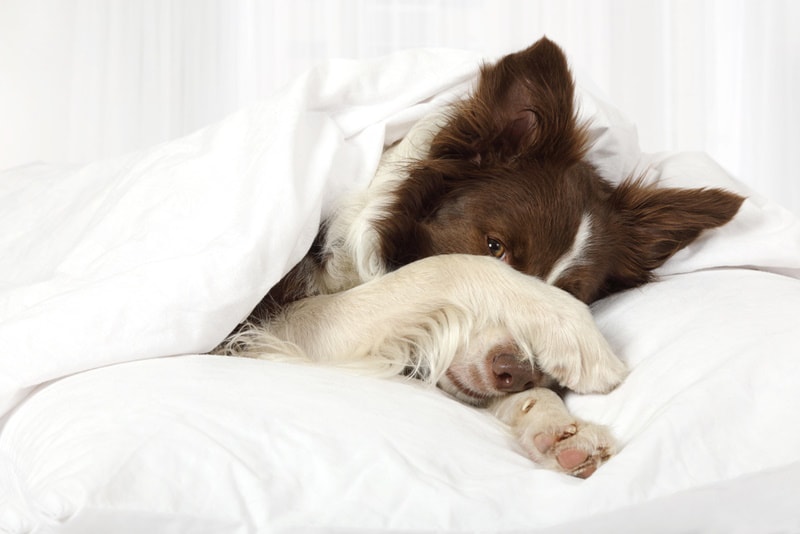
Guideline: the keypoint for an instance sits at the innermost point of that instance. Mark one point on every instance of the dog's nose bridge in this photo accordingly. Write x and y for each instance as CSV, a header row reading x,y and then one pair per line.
x,y
511,374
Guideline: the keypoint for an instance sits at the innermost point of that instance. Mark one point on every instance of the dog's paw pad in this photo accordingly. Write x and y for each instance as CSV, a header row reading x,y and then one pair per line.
x,y
544,441
576,449
570,459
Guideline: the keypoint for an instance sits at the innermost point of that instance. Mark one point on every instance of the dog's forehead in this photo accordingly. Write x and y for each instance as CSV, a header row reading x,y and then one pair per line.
x,y
550,196
539,209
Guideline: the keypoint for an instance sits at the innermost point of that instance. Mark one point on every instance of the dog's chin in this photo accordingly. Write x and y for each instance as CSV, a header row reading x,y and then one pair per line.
x,y
457,389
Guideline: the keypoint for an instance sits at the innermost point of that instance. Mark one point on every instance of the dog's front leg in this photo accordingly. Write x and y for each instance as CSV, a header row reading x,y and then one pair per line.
x,y
428,313
551,436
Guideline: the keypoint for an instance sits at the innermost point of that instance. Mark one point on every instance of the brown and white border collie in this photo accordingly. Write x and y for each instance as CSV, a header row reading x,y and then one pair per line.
x,y
470,260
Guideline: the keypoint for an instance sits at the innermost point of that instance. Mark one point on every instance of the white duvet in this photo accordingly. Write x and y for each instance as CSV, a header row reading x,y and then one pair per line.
x,y
116,276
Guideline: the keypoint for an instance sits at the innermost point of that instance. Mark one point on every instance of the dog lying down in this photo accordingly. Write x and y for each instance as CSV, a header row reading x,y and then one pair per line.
x,y
470,259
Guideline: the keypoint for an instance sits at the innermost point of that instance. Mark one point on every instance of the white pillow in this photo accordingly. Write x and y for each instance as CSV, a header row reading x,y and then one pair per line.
x,y
215,444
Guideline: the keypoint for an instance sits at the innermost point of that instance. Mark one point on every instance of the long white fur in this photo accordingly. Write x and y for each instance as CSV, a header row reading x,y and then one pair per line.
x,y
352,245
425,315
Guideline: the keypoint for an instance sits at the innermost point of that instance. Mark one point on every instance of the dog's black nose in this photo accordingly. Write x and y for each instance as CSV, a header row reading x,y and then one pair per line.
x,y
512,374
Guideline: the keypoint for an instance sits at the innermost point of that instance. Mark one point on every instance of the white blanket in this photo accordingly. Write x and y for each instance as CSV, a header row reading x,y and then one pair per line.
x,y
162,252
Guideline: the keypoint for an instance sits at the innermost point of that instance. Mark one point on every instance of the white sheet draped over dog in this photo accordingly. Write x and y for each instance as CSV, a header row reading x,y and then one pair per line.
x,y
162,252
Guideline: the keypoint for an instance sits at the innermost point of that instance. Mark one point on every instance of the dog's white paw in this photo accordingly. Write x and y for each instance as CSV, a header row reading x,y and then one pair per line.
x,y
559,331
575,352
552,437
548,324
573,447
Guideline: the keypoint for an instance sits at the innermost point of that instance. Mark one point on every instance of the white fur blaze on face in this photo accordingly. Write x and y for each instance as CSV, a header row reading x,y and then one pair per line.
x,y
575,255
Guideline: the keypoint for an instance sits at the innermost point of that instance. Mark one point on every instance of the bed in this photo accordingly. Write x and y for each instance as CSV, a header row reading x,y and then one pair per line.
x,y
117,277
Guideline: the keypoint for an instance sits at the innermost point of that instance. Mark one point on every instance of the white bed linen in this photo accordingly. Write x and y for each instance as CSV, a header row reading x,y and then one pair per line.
x,y
161,252
234,445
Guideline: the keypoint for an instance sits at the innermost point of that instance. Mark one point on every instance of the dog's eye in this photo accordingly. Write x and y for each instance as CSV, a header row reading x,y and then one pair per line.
x,y
496,248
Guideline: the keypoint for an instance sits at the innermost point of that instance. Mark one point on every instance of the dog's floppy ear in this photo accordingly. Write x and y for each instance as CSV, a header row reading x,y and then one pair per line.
x,y
523,106
403,236
655,223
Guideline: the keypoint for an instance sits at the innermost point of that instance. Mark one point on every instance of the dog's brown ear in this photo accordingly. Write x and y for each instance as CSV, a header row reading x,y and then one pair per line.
x,y
523,106
655,223
403,236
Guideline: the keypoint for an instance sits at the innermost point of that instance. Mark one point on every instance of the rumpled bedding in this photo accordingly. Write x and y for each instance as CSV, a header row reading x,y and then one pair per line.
x,y
116,277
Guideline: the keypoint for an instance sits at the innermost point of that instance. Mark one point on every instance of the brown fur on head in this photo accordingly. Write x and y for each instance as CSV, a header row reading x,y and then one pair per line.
x,y
506,176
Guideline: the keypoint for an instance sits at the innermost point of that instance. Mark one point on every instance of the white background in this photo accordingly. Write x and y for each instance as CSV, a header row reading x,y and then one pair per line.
x,y
88,79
